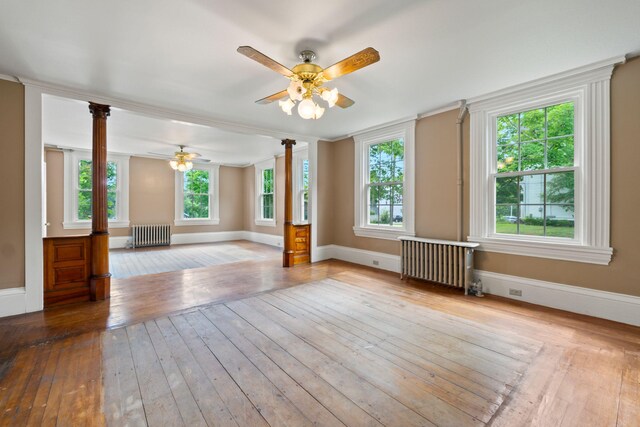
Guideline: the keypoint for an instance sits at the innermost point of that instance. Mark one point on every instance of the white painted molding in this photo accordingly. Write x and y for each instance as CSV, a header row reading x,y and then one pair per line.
x,y
118,242
606,305
407,132
9,78
13,301
588,89
576,76
259,168
33,200
214,197
453,106
313,197
159,112
360,256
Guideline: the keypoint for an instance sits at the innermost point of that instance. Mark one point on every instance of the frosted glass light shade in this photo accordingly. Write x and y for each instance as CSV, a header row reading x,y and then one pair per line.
x,y
307,109
173,164
287,105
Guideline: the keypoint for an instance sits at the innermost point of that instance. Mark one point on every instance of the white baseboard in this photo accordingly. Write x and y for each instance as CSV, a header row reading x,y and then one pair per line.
x,y
212,237
119,242
607,305
267,239
360,256
13,301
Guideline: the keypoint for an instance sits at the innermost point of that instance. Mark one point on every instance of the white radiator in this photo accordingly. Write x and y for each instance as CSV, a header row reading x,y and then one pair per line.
x,y
150,235
441,261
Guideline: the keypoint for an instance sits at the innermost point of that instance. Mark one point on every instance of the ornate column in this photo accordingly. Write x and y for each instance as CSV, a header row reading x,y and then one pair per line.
x,y
289,232
100,277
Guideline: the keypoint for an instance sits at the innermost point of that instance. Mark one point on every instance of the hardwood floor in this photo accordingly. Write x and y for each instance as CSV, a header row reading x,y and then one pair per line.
x,y
126,263
241,344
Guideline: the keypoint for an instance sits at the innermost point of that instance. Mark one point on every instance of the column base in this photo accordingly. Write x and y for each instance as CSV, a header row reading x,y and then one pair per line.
x,y
100,287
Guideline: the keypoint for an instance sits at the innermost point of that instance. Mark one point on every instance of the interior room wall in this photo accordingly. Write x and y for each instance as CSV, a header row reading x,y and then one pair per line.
x,y
151,197
250,200
436,196
12,243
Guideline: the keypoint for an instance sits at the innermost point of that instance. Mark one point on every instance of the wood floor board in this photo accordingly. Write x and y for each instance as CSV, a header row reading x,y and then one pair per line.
x,y
420,359
378,404
348,412
270,401
389,378
445,391
249,343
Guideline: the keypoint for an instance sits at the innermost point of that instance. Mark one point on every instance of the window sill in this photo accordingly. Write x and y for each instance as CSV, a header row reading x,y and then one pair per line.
x,y
380,233
550,250
78,225
187,222
266,222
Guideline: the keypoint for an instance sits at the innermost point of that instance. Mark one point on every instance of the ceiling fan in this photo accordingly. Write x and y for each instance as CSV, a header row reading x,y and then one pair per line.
x,y
182,160
308,79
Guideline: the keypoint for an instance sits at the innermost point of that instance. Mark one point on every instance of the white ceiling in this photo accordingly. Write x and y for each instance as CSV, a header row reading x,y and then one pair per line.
x,y
66,123
181,55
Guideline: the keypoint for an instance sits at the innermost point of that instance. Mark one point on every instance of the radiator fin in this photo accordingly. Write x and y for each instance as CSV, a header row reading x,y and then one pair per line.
x,y
144,235
440,261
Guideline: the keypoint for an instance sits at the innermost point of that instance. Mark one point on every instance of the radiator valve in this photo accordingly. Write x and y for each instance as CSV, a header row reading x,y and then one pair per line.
x,y
476,289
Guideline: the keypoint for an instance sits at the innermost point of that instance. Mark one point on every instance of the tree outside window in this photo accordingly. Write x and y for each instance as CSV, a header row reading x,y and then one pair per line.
x,y
535,179
267,193
196,194
386,181
85,185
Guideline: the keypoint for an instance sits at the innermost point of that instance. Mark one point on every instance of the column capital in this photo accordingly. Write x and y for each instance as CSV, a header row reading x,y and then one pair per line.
x,y
288,142
99,111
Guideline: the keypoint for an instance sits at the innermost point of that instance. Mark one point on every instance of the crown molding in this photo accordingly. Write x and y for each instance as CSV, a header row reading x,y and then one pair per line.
x,y
159,112
605,67
9,78
449,107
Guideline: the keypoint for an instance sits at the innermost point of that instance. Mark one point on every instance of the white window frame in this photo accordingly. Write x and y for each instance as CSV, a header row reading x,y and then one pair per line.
x,y
299,156
405,131
267,164
588,89
71,160
214,197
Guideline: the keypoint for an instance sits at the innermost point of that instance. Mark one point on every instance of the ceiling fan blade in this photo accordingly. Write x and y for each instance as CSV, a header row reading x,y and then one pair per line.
x,y
275,97
344,102
191,156
263,59
353,63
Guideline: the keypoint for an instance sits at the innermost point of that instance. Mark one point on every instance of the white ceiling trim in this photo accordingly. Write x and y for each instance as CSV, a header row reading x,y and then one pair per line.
x,y
161,113
575,72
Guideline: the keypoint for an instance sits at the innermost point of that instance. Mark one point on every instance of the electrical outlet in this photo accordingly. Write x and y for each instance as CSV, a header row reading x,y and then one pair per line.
x,y
515,292
376,262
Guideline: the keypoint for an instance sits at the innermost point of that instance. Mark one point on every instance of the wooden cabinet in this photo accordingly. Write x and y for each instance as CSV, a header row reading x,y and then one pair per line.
x,y
67,269
302,244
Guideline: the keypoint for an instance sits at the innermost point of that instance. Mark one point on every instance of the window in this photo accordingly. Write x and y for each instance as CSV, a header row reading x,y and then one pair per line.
x,y
265,193
384,182
301,186
197,196
78,190
540,169
535,172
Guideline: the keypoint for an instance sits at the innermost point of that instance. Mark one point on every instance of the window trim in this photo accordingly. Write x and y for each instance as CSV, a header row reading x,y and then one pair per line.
x,y
299,156
214,197
588,88
70,165
406,131
259,167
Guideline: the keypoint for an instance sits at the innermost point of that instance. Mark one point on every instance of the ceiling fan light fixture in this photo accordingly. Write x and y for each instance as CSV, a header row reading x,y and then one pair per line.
x,y
296,90
318,112
287,105
307,109
173,164
331,96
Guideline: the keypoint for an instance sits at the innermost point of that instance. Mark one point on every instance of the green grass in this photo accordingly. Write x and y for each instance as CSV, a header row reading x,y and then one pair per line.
x,y
534,230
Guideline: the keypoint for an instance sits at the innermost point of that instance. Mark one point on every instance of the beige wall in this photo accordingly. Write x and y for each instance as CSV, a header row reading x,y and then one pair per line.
x,y
12,263
436,192
249,195
151,197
